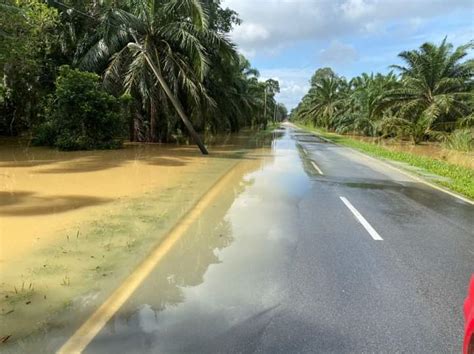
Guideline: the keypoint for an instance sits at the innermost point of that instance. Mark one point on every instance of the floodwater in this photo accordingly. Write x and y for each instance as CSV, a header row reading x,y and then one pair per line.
x,y
43,190
432,150
74,224
260,183
273,261
184,306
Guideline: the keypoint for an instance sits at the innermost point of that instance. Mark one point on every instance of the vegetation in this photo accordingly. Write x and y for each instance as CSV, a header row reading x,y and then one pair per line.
x,y
172,58
430,99
28,41
458,178
83,116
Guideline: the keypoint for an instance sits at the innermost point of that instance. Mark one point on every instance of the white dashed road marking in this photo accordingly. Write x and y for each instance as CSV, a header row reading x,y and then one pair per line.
x,y
362,220
316,167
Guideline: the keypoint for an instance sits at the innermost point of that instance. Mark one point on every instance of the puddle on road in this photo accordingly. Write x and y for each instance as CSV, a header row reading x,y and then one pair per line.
x,y
77,223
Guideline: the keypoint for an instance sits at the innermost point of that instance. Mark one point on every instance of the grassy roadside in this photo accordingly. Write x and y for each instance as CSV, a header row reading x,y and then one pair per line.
x,y
457,178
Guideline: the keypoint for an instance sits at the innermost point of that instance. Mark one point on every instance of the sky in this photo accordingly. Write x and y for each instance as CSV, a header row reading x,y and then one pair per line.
x,y
289,39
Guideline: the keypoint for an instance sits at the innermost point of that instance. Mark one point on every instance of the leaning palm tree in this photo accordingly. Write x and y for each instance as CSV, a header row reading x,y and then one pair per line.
x,y
158,53
436,88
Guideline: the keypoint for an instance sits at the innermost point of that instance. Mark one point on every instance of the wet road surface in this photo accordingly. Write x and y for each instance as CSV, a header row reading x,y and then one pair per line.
x,y
288,261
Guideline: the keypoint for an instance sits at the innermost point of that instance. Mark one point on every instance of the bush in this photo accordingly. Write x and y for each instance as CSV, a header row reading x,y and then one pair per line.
x,y
45,134
83,115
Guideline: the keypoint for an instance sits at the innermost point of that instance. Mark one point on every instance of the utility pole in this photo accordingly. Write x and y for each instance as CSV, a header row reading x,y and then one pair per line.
x,y
265,109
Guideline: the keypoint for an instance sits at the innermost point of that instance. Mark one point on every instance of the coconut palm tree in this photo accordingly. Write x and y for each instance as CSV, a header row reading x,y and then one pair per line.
x,y
157,53
436,88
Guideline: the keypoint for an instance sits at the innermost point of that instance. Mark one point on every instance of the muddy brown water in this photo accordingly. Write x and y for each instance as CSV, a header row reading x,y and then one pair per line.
x,y
73,224
43,190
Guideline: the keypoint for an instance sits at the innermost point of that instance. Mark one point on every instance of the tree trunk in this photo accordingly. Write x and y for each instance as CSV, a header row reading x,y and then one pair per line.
x,y
152,132
131,128
176,104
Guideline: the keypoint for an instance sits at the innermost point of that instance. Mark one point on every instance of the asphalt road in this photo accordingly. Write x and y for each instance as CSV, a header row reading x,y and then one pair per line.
x,y
315,249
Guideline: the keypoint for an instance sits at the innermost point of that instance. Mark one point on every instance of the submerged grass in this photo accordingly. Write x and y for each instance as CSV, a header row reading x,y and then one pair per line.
x,y
92,257
89,260
267,131
457,178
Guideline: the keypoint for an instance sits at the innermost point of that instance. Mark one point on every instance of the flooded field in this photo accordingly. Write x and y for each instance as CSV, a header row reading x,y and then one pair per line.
x,y
74,224
432,150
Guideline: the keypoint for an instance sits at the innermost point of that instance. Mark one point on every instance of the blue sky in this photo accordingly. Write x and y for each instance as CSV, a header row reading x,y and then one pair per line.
x,y
289,39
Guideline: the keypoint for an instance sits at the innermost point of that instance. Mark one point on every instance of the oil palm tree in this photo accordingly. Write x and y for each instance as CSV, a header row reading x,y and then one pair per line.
x,y
361,104
157,52
231,85
324,101
436,88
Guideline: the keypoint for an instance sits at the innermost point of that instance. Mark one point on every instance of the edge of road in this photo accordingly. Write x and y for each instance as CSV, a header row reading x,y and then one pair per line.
x,y
389,165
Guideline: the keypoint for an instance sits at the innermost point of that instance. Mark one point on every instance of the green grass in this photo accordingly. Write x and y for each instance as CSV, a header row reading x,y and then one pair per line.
x,y
462,140
457,178
267,131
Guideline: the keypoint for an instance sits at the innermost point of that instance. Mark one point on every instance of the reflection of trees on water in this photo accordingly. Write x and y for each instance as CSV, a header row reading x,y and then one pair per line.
x,y
306,162
188,262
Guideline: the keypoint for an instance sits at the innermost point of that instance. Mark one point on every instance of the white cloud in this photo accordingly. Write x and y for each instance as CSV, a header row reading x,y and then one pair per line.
x,y
270,26
251,32
294,83
338,53
338,27
356,9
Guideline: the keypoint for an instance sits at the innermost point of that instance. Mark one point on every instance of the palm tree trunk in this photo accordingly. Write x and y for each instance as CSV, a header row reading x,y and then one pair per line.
x,y
131,128
176,104
152,132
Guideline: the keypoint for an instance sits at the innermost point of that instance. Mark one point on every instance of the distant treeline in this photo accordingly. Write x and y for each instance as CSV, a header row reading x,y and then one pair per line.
x,y
150,58
429,97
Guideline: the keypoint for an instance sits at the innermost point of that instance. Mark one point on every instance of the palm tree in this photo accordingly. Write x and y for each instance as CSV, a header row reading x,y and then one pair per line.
x,y
436,88
361,106
158,54
324,101
231,84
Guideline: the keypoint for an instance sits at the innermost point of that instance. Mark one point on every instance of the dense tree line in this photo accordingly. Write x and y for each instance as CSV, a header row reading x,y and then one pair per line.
x,y
169,64
429,97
